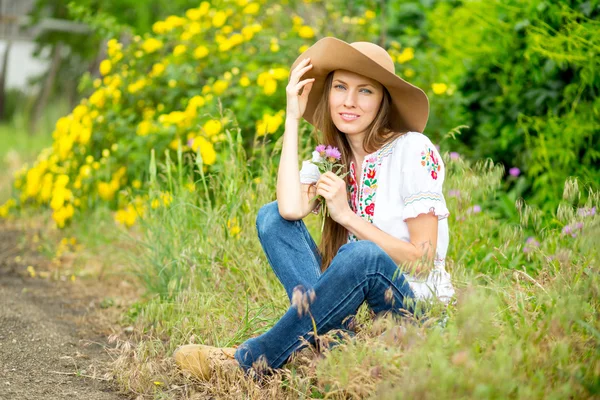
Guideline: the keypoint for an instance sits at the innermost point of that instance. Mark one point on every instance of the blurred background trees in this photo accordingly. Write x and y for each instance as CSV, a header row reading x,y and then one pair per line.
x,y
522,76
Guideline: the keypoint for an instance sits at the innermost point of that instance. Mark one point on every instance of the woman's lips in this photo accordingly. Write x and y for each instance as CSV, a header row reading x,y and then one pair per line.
x,y
349,117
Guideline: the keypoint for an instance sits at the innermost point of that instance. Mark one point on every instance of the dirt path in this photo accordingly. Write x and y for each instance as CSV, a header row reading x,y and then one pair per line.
x,y
52,334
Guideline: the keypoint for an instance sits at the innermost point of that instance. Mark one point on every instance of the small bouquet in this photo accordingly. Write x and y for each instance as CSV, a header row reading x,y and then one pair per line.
x,y
327,158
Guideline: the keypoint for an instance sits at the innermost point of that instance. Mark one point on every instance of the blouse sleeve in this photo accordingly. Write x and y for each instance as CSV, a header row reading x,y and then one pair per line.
x,y
423,173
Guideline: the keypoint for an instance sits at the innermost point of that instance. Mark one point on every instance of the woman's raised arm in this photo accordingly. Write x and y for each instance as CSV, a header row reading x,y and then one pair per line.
x,y
293,198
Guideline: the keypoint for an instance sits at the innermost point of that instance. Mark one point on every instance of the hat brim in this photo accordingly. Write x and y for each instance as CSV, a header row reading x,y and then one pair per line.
x,y
410,104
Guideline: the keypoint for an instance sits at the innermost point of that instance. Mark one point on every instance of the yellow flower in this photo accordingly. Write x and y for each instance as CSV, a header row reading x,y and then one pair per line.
x,y
406,55
244,81
179,50
306,32
159,27
269,123
98,98
233,227
219,86
105,67
166,198
106,190
207,151
439,88
274,47
297,20
126,216
155,204
193,14
191,186
409,72
219,19
270,87
157,70
212,127
252,8
303,48
369,14
151,45
31,271
136,184
200,52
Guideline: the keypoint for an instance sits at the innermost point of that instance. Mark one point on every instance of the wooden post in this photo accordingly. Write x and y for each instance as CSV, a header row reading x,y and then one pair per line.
x,y
46,90
3,80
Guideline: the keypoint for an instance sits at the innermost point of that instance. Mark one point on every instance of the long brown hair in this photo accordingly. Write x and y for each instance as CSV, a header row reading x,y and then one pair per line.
x,y
379,133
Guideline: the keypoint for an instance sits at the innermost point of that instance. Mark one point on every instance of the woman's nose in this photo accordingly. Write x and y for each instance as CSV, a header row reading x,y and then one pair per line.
x,y
350,99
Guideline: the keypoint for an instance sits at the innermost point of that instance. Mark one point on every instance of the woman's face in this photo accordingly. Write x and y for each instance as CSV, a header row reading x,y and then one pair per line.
x,y
354,101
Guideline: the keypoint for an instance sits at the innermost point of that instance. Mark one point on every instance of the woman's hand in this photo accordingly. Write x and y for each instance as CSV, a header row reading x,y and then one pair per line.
x,y
333,189
296,103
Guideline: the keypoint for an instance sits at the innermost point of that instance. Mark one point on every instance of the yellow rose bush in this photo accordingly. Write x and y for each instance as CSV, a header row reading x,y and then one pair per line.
x,y
167,91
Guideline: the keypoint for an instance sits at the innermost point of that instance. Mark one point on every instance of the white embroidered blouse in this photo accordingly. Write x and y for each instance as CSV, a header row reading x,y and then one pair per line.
x,y
399,181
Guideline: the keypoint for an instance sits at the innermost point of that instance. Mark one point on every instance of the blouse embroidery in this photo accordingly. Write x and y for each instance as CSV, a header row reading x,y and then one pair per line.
x,y
362,200
431,162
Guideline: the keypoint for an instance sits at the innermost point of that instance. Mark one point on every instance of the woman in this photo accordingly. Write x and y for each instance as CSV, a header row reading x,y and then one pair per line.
x,y
389,211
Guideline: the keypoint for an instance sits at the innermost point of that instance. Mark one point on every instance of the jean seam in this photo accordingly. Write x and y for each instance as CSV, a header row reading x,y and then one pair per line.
x,y
268,258
392,283
326,318
297,223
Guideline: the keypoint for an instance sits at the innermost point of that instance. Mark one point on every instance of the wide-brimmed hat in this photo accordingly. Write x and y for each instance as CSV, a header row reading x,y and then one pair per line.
x,y
410,106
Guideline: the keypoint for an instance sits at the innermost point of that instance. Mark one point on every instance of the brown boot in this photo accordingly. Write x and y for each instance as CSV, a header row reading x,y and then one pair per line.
x,y
202,361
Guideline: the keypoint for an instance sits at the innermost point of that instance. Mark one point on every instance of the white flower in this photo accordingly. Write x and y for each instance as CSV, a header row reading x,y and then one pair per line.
x,y
316,157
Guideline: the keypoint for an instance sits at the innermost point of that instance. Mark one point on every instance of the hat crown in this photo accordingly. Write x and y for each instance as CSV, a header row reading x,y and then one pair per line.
x,y
376,53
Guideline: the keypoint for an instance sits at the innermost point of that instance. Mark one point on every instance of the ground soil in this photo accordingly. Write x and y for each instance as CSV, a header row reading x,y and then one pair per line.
x,y
53,333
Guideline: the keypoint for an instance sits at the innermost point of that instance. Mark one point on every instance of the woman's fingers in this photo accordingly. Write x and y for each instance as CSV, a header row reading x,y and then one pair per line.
x,y
306,84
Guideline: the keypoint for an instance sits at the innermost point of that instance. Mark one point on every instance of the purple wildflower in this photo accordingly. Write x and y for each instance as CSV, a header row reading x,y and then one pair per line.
x,y
531,244
333,152
586,212
454,156
190,142
454,193
476,209
320,149
571,229
514,171
437,146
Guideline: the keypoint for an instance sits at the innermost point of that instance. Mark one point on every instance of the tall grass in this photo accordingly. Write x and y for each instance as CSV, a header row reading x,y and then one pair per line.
x,y
524,325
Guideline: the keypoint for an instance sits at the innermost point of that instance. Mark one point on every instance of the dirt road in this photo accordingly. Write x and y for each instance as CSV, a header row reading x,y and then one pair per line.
x,y
52,345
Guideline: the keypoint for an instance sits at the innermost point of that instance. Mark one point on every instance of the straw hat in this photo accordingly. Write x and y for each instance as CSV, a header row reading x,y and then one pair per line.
x,y
410,106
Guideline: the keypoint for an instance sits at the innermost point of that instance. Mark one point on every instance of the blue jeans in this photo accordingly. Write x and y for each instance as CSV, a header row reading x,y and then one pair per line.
x,y
360,271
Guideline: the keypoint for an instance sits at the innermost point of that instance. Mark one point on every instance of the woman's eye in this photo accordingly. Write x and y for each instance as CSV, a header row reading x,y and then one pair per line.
x,y
342,87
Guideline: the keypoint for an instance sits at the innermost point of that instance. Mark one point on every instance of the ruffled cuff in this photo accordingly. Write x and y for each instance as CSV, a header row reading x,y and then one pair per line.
x,y
309,173
416,208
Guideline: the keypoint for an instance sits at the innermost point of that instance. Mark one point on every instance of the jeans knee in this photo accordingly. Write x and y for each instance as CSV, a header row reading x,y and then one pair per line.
x,y
267,218
365,254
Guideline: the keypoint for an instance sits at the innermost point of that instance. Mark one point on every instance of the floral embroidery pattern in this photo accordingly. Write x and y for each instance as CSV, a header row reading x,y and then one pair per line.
x,y
362,200
431,162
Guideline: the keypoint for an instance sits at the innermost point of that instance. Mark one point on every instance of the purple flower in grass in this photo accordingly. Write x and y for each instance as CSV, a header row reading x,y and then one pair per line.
x,y
531,243
572,229
586,211
475,209
514,171
454,156
454,193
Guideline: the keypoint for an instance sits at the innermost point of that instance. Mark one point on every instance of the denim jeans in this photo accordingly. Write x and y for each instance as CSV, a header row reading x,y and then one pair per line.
x,y
360,271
